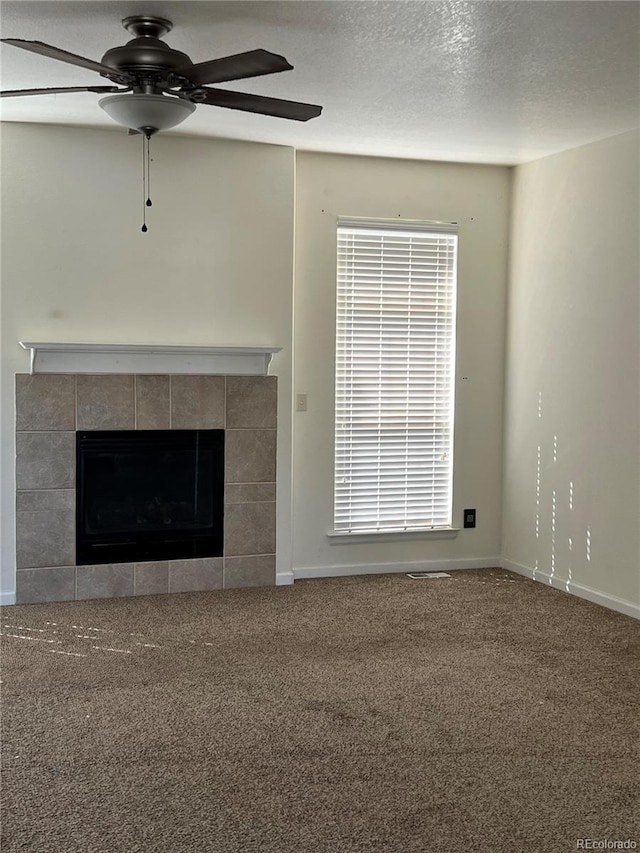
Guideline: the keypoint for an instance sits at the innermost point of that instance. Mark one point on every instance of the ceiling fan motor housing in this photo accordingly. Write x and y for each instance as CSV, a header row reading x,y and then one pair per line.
x,y
146,53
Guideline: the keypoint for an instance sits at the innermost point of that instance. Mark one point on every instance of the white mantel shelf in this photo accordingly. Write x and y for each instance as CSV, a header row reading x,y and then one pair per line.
x,y
148,358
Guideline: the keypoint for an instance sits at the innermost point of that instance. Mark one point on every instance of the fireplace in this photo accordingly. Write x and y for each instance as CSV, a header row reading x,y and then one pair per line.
x,y
149,495
56,411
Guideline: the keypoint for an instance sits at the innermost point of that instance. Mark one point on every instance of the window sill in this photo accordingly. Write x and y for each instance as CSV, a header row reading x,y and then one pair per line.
x,y
339,538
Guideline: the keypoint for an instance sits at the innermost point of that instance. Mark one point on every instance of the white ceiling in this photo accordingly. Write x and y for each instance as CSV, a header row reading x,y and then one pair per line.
x,y
485,82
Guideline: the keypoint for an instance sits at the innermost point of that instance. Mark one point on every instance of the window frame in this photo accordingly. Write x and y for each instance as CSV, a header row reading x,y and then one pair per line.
x,y
376,530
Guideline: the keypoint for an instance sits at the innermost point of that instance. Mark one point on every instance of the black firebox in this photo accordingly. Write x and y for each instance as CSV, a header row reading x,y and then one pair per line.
x,y
149,495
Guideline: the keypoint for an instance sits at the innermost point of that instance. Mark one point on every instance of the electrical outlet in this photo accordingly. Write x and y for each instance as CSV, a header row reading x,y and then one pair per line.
x,y
301,402
469,518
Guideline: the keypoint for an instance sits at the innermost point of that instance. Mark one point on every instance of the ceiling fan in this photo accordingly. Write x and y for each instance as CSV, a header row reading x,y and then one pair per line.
x,y
157,87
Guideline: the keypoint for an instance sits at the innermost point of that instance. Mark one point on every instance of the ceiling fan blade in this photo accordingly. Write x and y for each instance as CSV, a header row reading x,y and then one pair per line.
x,y
43,49
15,93
253,63
258,104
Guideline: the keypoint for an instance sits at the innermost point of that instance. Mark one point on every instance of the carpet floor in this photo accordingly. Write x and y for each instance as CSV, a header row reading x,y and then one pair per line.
x,y
373,714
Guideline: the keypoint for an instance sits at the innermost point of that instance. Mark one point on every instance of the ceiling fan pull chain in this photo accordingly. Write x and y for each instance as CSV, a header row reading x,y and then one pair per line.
x,y
145,141
148,202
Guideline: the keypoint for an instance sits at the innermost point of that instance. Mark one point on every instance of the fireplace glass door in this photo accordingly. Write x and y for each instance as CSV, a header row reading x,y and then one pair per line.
x,y
149,495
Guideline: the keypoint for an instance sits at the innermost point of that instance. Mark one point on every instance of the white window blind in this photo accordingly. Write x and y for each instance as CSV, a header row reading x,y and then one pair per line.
x,y
395,350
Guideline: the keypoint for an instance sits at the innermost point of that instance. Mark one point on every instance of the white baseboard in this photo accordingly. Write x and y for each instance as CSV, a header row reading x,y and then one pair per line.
x,y
596,596
7,598
284,578
307,572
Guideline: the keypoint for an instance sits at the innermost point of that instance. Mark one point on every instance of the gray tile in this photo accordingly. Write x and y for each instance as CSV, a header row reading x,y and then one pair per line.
x,y
242,493
250,455
45,402
150,578
250,529
249,571
46,499
46,460
45,538
195,575
108,581
47,584
152,402
197,402
252,402
105,401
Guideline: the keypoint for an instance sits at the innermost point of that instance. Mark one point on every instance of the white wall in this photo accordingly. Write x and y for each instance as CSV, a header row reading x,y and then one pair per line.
x,y
573,370
75,267
216,266
477,197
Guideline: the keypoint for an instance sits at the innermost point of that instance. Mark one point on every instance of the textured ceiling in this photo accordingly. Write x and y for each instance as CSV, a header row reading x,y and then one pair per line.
x,y
485,82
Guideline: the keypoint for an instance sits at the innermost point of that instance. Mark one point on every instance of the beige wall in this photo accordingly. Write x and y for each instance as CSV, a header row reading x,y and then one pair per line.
x,y
214,268
477,197
573,369
75,267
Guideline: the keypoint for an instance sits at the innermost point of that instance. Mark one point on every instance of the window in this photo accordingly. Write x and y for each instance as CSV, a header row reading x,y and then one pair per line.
x,y
395,351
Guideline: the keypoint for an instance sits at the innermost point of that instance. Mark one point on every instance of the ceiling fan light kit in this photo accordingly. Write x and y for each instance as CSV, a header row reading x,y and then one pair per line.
x,y
161,86
147,114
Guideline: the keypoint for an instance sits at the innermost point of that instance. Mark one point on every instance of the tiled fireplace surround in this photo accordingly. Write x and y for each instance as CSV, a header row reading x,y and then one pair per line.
x,y
50,407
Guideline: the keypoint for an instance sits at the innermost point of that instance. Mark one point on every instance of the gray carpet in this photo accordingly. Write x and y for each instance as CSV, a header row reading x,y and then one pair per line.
x,y
478,713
